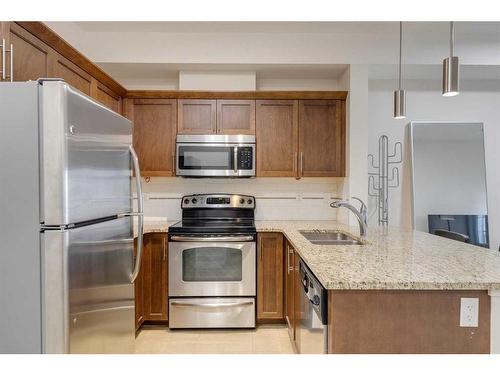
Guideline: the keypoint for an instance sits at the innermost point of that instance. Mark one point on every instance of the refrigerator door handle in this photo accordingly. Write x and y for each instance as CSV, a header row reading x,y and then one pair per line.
x,y
140,209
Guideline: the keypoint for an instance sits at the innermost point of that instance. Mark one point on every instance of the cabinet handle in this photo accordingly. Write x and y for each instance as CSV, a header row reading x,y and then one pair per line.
x,y
287,259
11,62
295,162
164,249
301,163
3,59
260,249
4,54
173,164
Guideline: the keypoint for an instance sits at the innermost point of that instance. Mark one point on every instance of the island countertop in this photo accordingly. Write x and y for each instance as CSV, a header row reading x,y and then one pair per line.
x,y
393,258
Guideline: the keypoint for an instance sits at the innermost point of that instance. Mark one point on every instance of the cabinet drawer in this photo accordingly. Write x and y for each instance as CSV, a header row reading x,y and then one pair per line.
x,y
212,312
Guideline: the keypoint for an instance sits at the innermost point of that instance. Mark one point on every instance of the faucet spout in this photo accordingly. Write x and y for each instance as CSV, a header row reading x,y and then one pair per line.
x,y
363,228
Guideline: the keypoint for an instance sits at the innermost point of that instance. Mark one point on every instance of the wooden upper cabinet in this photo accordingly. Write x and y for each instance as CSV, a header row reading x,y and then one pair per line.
x,y
154,122
235,116
270,277
155,296
197,116
31,56
61,67
277,137
106,96
321,138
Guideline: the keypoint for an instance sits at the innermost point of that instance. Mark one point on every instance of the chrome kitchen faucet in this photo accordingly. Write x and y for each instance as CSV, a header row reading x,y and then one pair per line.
x,y
360,214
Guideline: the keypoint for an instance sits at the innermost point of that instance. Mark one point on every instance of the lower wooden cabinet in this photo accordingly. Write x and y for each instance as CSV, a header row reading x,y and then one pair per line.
x,y
298,308
290,289
151,296
270,280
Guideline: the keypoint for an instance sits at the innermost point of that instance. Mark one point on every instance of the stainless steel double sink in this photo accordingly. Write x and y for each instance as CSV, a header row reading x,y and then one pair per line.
x,y
329,237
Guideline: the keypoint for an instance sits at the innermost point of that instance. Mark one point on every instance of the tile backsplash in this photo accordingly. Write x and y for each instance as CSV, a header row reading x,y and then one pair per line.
x,y
276,198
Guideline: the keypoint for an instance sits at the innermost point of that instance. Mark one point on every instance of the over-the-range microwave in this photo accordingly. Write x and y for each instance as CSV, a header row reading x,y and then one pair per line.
x,y
215,156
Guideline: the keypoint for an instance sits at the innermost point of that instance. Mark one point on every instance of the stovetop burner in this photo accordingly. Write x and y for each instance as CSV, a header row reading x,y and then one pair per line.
x,y
216,214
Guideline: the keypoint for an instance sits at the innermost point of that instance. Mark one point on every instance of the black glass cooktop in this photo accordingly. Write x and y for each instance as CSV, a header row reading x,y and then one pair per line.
x,y
213,226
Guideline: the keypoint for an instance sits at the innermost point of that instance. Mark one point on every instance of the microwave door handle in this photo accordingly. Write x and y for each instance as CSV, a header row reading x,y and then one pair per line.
x,y
140,214
235,161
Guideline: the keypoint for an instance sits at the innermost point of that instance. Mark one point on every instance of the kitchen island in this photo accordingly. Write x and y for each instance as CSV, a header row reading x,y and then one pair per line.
x,y
400,292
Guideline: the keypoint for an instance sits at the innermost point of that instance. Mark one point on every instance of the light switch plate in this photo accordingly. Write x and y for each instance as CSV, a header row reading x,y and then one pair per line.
x,y
469,312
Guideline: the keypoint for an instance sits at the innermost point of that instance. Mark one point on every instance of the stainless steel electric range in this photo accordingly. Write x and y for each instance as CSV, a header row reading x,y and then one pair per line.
x,y
212,263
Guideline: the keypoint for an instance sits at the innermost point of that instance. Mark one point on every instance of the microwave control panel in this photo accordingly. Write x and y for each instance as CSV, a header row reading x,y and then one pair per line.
x,y
245,157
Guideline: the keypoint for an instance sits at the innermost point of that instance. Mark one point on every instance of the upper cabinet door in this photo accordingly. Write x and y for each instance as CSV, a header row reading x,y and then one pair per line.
x,y
321,138
235,116
154,134
61,67
197,116
105,96
31,56
277,137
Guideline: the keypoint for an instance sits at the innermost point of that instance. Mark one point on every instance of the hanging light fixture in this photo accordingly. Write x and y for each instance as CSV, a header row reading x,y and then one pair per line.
x,y
399,94
450,68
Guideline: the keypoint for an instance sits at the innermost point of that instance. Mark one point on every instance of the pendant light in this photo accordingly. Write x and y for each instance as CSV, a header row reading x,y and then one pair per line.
x,y
450,68
399,94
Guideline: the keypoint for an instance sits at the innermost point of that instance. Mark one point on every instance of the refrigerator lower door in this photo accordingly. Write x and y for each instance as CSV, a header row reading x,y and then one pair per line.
x,y
87,296
85,157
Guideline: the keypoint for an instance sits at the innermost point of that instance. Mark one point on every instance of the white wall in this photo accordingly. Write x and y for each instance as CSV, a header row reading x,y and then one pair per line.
x,y
449,178
276,198
425,103
217,81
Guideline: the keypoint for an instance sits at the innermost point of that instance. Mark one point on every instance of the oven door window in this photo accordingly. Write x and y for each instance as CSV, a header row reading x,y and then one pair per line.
x,y
212,264
206,157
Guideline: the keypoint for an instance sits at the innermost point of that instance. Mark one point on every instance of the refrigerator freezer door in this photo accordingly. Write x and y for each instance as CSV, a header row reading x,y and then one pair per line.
x,y
88,299
85,157
19,220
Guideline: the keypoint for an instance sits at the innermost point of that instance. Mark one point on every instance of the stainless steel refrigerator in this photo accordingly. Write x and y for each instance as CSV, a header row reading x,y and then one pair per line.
x,y
67,260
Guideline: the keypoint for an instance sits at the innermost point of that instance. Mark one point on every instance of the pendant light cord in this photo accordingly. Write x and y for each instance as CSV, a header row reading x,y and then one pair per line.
x,y
452,38
400,48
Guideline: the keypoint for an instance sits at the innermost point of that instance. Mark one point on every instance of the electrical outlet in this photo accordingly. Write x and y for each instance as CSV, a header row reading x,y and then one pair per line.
x,y
469,312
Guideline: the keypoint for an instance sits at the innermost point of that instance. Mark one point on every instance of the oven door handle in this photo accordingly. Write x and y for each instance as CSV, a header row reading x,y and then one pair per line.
x,y
191,304
212,239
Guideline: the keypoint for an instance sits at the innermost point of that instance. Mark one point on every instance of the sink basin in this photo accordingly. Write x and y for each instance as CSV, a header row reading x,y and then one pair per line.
x,y
329,238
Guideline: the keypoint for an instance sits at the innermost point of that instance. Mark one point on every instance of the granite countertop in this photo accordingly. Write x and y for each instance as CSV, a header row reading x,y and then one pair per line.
x,y
393,258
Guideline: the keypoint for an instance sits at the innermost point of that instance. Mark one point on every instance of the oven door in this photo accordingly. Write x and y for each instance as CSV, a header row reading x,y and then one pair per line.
x,y
211,269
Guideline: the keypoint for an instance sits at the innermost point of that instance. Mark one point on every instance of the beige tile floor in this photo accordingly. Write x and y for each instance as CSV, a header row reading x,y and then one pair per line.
x,y
268,339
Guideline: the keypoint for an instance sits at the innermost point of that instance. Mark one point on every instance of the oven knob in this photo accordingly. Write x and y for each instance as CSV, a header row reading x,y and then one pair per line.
x,y
242,201
194,200
249,201
315,300
186,201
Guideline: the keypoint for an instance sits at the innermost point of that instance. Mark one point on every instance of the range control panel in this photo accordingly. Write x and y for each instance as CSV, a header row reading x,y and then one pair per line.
x,y
218,201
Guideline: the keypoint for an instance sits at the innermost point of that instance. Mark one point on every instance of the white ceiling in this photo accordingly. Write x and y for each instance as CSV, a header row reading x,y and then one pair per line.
x,y
424,28
308,50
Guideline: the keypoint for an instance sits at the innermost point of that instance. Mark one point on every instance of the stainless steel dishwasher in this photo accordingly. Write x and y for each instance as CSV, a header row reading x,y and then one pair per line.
x,y
312,319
